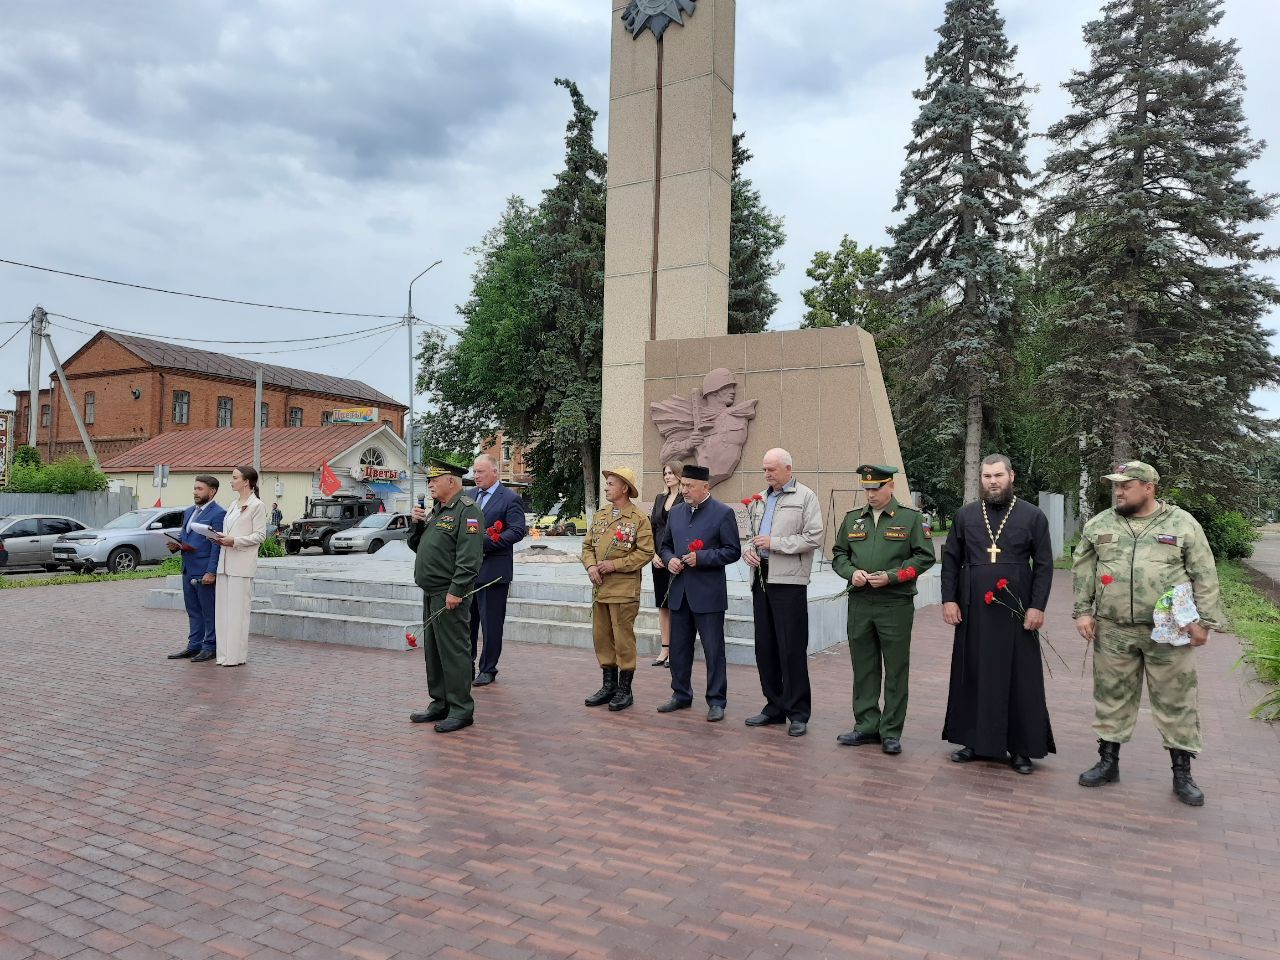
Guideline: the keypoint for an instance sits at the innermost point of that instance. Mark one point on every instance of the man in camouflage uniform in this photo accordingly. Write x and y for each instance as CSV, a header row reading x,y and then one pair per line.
x,y
1127,558
449,548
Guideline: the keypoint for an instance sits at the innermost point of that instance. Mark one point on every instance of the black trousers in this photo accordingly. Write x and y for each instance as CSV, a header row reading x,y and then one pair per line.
x,y
782,647
710,628
489,613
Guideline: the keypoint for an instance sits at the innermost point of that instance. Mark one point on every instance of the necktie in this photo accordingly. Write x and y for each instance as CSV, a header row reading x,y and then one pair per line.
x,y
484,498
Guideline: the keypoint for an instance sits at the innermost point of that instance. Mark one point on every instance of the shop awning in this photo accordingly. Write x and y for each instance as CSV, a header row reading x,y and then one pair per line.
x,y
382,488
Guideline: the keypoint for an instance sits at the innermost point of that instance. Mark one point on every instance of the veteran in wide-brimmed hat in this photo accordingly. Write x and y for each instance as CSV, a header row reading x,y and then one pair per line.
x,y
615,550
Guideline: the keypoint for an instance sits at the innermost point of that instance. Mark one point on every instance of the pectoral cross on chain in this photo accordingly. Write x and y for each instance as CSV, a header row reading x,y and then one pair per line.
x,y
993,551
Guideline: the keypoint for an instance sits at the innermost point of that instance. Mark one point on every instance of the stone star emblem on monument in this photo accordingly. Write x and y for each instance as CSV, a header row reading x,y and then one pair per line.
x,y
657,15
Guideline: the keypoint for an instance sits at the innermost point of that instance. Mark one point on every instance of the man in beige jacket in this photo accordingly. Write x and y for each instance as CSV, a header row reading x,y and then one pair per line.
x,y
786,523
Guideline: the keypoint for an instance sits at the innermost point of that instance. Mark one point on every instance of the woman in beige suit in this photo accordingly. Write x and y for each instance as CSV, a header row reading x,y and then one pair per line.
x,y
243,529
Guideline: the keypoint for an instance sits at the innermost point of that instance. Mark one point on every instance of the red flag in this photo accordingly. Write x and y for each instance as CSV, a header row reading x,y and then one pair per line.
x,y
328,480
382,508
158,503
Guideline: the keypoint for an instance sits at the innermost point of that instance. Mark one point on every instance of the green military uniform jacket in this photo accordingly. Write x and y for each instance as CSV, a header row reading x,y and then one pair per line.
x,y
629,553
897,545
1143,557
450,547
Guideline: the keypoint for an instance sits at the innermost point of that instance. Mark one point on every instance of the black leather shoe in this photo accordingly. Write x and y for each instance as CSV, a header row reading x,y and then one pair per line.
x,y
183,654
964,755
798,728
891,745
673,704
856,738
203,655
450,724
484,679
715,714
428,716
1020,763
763,719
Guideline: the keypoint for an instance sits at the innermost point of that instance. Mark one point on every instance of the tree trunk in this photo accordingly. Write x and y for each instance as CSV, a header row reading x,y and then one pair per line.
x,y
590,490
973,442
1085,508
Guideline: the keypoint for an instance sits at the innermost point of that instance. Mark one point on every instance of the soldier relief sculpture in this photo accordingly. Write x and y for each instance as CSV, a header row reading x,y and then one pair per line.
x,y
706,427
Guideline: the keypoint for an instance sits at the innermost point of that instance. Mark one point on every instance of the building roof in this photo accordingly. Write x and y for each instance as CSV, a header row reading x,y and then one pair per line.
x,y
176,357
284,449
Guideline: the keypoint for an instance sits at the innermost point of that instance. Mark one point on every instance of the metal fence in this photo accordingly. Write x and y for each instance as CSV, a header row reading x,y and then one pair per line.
x,y
93,509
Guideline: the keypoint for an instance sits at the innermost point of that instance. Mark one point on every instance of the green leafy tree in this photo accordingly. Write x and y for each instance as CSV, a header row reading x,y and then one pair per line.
x,y
1146,178
844,291
962,189
69,474
528,360
755,235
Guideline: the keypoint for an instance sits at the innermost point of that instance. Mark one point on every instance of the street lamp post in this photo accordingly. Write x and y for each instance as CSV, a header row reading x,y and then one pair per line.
x,y
409,444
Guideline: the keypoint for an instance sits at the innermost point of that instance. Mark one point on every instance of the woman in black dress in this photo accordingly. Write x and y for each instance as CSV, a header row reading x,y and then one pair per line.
x,y
661,579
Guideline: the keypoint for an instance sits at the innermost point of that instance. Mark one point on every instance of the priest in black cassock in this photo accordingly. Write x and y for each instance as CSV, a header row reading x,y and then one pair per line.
x,y
996,702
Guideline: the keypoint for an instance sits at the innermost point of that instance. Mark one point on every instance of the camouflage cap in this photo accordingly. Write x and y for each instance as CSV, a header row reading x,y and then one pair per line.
x,y
1133,470
874,476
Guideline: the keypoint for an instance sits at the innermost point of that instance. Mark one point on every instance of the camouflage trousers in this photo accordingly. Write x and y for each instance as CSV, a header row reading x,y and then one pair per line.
x,y
1121,656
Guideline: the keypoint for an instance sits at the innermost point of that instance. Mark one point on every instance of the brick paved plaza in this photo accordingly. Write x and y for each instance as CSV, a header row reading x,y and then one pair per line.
x,y
153,808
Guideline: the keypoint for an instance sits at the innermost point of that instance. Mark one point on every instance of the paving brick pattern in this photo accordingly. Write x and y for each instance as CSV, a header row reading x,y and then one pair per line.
x,y
287,808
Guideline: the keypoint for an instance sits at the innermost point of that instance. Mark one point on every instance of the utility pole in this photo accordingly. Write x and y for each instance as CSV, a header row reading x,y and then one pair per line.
x,y
257,423
413,385
71,402
39,324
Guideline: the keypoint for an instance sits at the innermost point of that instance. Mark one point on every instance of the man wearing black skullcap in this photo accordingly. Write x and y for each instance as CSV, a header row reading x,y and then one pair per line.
x,y
701,539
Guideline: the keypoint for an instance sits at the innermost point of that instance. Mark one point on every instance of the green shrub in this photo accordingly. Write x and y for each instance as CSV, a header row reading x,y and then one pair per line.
x,y
26,456
271,547
1230,533
69,474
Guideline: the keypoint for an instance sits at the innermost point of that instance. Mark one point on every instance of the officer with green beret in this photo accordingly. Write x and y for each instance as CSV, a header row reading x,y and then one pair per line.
x,y
880,549
449,543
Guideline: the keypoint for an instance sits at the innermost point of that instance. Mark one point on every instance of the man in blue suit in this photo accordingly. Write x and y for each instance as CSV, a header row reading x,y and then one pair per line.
x,y
199,568
489,606
699,595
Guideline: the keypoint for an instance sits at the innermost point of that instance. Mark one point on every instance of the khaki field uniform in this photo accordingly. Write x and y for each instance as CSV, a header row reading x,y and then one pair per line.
x,y
1144,557
617,600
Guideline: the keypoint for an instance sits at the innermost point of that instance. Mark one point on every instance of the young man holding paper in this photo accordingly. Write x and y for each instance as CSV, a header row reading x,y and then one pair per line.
x,y
199,570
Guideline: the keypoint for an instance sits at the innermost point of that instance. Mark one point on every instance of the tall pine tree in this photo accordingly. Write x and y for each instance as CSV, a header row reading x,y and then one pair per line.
x,y
528,360
962,187
755,235
1147,178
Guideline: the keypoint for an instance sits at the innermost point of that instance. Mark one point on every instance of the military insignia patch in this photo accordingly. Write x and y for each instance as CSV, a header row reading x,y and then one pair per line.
x,y
857,534
1106,537
896,533
928,534
1167,538
473,526
446,522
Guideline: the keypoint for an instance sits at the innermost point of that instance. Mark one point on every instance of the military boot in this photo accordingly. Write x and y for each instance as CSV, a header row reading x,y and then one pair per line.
x,y
622,696
1183,785
605,693
1107,769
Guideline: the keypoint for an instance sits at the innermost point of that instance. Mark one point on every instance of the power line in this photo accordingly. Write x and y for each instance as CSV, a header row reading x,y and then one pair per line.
x,y
370,356
199,296
15,333
136,333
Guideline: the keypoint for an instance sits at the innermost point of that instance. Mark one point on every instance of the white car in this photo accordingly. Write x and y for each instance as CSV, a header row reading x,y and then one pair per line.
x,y
27,540
371,534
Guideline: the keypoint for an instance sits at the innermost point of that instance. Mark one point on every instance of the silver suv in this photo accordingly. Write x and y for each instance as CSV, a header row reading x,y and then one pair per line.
x,y
27,541
124,544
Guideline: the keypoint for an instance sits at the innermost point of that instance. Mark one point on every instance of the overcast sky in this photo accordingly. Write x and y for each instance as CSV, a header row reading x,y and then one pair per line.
x,y
320,154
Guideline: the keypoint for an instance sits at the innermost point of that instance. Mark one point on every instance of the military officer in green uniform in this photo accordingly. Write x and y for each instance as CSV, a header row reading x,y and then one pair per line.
x,y
1127,559
449,545
880,549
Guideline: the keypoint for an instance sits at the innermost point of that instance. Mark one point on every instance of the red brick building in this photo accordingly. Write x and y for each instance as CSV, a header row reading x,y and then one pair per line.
x,y
512,469
130,389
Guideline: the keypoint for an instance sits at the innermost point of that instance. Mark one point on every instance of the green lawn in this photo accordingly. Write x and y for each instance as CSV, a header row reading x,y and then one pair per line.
x,y
1256,621
169,566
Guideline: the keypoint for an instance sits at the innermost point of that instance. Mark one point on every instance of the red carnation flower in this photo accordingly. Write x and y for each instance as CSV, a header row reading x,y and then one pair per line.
x,y
410,639
1002,583
497,525
746,501
696,545
619,536
756,496
1107,579
989,598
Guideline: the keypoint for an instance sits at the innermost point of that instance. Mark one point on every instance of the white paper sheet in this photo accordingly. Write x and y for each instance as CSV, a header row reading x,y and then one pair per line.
x,y
202,528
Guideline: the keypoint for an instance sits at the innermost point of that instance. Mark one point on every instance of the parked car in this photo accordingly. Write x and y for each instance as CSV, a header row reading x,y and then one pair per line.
x,y
124,544
325,517
371,534
27,541
552,523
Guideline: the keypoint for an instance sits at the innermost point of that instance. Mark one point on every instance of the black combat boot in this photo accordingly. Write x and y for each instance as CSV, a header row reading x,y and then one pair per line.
x,y
605,693
622,696
1107,769
1183,785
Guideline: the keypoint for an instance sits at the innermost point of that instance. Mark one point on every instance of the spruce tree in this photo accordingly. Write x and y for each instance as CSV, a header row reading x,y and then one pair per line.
x,y
962,188
755,234
1147,181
